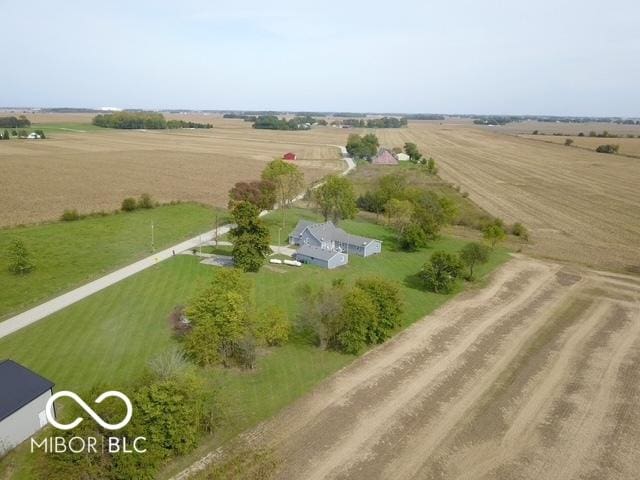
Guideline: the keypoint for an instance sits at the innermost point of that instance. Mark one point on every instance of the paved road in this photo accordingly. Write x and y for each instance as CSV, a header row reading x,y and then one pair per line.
x,y
35,314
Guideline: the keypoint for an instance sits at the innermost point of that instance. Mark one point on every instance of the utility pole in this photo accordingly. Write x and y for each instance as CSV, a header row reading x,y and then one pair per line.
x,y
279,230
215,234
153,246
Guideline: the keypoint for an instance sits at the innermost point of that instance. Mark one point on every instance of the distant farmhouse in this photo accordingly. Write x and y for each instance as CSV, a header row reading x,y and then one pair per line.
x,y
402,157
384,157
23,398
328,246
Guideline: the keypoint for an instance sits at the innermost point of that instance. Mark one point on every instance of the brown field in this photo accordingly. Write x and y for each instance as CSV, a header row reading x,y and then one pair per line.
x,y
550,128
95,171
628,146
580,206
533,376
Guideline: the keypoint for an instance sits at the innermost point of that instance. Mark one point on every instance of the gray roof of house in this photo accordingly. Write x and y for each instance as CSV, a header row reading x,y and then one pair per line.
x,y
300,226
328,231
316,252
19,386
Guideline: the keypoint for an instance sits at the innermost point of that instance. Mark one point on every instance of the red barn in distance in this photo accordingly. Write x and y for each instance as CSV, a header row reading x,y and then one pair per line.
x,y
289,156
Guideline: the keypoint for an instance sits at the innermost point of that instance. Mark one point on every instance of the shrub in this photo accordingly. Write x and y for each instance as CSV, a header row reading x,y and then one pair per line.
x,y
273,326
19,258
385,296
146,201
129,204
354,322
70,215
568,142
473,254
608,148
493,234
519,230
440,273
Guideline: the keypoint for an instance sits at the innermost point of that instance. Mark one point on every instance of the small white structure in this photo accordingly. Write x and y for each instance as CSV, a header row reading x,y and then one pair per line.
x,y
276,261
33,136
402,157
292,263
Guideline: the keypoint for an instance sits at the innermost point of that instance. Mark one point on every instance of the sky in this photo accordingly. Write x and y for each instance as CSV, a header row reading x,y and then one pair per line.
x,y
545,57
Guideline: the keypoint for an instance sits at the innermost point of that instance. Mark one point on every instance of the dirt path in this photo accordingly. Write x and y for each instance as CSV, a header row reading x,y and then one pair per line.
x,y
526,378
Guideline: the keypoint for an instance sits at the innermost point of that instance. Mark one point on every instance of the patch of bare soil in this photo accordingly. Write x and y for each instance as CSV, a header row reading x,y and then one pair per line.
x,y
534,376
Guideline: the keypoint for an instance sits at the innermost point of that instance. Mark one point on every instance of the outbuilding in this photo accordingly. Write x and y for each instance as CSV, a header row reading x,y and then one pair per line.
x,y
319,256
23,398
289,156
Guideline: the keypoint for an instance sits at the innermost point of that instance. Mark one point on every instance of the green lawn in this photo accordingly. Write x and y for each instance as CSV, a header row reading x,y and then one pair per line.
x,y
67,254
64,127
110,336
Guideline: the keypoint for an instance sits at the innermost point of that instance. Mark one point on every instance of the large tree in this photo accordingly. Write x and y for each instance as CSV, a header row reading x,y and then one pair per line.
x,y
288,181
335,198
362,146
262,193
399,214
250,237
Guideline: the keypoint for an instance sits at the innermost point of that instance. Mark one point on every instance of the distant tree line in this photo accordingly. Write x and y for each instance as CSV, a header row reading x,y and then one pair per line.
x,y
172,124
13,122
127,120
146,120
384,122
272,122
246,118
424,116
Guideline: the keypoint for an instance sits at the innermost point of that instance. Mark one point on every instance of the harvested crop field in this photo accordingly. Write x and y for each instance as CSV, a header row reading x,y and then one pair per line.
x,y
95,171
536,375
579,206
628,146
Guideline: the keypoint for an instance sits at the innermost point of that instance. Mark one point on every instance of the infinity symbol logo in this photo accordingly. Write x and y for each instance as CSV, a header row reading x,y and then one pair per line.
x,y
111,393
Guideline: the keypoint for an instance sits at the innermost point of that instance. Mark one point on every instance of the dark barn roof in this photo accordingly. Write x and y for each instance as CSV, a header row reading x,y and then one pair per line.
x,y
18,387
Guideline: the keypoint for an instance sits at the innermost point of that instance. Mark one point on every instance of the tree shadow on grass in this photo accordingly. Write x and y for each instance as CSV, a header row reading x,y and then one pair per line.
x,y
414,281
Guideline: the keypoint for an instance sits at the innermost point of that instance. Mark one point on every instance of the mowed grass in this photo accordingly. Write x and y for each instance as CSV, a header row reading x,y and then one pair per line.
x,y
67,254
65,127
110,336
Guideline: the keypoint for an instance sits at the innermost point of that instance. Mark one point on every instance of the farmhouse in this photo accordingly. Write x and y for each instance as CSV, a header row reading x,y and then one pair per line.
x,y
402,157
384,157
22,403
329,259
326,236
289,156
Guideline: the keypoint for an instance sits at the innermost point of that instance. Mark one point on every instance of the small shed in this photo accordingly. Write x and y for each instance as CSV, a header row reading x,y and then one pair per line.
x,y
289,156
402,157
321,257
23,398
